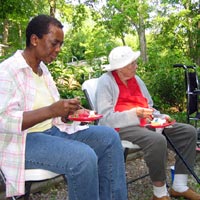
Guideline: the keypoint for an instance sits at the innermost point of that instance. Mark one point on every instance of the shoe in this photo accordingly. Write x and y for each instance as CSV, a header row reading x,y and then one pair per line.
x,y
161,198
188,194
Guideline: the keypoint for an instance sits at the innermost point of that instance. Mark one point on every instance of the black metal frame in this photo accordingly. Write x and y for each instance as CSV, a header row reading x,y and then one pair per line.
x,y
192,98
192,93
181,157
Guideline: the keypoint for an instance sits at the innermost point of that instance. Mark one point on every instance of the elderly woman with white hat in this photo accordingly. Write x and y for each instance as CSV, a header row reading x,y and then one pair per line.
x,y
123,100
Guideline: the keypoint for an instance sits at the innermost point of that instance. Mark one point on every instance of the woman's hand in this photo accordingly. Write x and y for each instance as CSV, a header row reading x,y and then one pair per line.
x,y
64,107
82,112
144,112
78,113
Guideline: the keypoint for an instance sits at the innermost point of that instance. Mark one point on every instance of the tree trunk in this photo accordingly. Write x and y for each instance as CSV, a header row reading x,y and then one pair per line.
x,y
5,37
20,33
142,39
122,38
198,40
52,4
193,36
5,31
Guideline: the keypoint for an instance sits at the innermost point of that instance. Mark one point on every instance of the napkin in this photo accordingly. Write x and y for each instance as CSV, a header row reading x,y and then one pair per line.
x,y
72,128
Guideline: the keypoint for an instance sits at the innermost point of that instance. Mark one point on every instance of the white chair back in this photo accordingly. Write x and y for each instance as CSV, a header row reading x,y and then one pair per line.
x,y
89,87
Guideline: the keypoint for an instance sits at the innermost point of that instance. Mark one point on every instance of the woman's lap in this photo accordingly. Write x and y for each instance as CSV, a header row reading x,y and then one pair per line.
x,y
91,159
48,148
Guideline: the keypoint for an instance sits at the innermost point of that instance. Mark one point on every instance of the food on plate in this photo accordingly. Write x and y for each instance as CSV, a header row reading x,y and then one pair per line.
x,y
161,121
92,113
158,122
84,114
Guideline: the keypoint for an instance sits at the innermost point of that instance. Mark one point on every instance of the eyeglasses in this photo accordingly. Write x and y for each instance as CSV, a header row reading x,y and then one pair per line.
x,y
133,64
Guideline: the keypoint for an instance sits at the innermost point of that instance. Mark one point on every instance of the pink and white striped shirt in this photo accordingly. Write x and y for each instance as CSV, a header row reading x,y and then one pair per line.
x,y
17,91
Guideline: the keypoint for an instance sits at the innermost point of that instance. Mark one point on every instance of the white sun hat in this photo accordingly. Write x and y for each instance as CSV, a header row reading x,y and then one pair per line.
x,y
120,57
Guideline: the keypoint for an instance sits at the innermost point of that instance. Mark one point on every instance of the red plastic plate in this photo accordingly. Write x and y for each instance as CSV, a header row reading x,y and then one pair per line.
x,y
85,119
162,126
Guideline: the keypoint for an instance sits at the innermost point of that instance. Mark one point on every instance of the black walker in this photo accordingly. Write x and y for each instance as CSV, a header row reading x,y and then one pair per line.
x,y
192,93
192,100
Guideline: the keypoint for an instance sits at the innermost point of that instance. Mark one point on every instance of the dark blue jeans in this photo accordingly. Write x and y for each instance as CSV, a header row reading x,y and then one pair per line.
x,y
92,161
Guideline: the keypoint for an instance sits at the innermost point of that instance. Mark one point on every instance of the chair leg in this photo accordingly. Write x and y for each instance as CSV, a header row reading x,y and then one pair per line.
x,y
27,192
181,157
12,198
64,178
125,154
27,189
135,179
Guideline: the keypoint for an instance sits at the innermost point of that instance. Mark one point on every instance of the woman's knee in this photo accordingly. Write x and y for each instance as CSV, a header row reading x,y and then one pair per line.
x,y
84,161
159,142
109,135
190,132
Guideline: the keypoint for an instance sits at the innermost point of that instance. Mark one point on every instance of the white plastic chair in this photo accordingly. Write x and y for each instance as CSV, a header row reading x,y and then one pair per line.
x,y
39,174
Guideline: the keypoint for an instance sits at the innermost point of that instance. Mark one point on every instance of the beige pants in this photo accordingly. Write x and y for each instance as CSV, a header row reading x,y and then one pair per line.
x,y
154,146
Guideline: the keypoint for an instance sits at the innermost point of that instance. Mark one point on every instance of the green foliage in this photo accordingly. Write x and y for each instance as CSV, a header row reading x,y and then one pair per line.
x,y
16,14
179,116
75,45
167,88
166,84
80,14
20,10
68,79
70,76
179,27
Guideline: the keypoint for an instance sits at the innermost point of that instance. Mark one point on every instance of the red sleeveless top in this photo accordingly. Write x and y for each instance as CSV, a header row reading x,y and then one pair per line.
x,y
130,96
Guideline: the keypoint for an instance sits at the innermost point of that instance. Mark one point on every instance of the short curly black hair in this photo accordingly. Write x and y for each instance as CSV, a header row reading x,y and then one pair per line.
x,y
39,26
